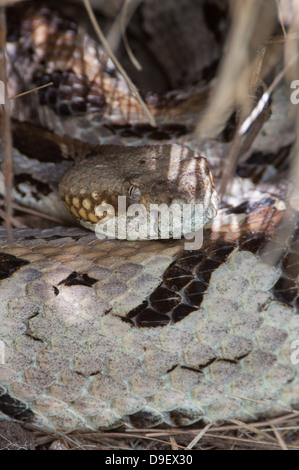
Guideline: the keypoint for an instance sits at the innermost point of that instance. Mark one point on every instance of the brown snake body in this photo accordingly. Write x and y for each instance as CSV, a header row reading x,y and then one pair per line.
x,y
99,334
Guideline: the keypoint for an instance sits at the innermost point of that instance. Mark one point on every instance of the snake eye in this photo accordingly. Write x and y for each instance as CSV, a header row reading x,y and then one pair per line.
x,y
131,190
134,194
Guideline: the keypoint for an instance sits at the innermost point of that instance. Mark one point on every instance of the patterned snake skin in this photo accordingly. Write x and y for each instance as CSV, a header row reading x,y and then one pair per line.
x,y
98,334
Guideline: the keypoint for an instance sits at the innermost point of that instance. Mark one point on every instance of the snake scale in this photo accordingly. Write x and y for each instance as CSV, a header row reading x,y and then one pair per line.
x,y
98,334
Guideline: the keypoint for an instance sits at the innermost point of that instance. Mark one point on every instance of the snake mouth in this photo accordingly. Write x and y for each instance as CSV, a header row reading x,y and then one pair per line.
x,y
135,222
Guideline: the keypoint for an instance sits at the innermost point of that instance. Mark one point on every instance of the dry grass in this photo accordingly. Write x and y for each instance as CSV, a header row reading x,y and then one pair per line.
x,y
274,434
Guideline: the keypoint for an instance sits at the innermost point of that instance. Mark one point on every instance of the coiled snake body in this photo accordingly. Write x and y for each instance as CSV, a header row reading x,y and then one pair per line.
x,y
100,333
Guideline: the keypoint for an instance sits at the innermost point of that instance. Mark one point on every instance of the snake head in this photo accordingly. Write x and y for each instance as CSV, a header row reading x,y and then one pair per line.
x,y
156,177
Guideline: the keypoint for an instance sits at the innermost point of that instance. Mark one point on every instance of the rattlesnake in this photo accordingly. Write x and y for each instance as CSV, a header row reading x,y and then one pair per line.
x,y
96,334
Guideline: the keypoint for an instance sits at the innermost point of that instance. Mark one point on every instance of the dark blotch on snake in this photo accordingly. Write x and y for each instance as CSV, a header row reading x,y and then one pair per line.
x,y
286,290
39,188
14,408
290,264
185,417
182,311
163,300
76,279
254,243
36,146
175,277
206,268
144,419
9,264
149,318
